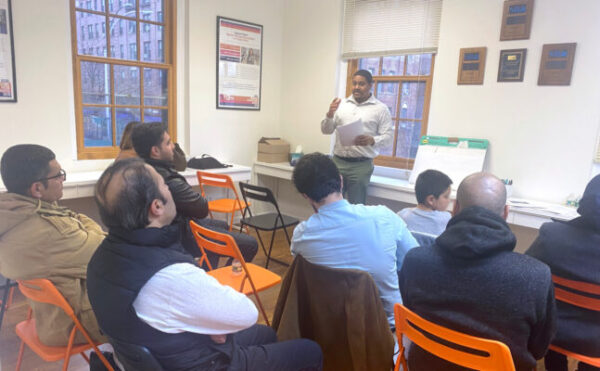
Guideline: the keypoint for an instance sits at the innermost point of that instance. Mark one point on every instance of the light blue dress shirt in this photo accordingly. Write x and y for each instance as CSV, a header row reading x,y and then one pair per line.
x,y
369,238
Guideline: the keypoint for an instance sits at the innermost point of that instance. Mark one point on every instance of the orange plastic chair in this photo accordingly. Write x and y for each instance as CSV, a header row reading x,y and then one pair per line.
x,y
222,205
411,325
578,300
259,278
44,291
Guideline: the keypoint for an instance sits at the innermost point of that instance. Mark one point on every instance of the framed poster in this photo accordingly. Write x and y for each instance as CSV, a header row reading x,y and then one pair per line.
x,y
556,65
512,65
239,64
516,20
471,66
8,81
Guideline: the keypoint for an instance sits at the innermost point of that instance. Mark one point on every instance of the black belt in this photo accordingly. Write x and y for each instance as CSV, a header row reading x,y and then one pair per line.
x,y
353,159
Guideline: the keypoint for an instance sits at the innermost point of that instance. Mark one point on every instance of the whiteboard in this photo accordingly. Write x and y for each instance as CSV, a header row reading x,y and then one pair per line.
x,y
457,163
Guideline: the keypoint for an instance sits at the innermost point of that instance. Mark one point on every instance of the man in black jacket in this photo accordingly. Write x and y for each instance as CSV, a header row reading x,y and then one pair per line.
x,y
153,144
572,250
472,282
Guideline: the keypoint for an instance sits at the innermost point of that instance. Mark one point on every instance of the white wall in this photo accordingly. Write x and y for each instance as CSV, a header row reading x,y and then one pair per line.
x,y
311,50
543,137
231,135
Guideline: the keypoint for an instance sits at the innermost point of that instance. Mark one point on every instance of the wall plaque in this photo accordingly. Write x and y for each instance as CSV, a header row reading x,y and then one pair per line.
x,y
516,20
471,66
512,65
556,66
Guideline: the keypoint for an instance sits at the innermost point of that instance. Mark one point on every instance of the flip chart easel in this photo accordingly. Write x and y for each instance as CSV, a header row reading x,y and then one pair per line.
x,y
455,157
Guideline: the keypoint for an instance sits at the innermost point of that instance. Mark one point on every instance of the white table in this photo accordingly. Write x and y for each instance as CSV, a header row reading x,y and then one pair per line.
x,y
79,185
532,215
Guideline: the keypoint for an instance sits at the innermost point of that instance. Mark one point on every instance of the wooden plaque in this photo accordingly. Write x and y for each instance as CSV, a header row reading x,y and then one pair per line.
x,y
516,20
556,66
512,65
471,66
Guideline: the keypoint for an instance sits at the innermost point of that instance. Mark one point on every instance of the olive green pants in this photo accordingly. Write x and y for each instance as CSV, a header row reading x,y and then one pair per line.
x,y
357,176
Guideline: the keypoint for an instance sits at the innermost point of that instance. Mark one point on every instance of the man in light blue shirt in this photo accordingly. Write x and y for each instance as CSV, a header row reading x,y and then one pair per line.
x,y
341,235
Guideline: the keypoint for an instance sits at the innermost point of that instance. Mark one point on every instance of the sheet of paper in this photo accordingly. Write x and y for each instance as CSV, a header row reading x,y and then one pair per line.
x,y
347,133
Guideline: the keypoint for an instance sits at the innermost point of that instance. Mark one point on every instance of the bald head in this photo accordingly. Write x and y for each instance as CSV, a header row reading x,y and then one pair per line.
x,y
483,190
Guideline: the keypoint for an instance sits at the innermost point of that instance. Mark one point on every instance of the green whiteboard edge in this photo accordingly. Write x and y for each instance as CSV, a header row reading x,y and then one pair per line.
x,y
430,140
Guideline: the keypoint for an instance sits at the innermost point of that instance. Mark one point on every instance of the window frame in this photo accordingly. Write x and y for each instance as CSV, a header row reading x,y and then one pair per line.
x,y
169,41
392,161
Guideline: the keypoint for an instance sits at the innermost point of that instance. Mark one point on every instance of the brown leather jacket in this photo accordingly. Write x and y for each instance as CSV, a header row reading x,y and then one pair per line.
x,y
43,240
341,310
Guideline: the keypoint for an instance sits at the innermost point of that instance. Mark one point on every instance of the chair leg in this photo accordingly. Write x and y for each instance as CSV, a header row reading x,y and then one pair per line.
x,y
262,310
20,356
87,359
262,245
287,236
5,301
231,221
270,248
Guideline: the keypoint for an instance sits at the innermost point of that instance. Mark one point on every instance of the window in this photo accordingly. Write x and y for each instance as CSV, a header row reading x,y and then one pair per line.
x,y
133,51
147,54
403,84
112,90
146,26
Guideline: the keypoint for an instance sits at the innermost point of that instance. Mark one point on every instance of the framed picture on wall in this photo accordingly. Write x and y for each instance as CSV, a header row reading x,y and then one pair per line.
x,y
239,64
8,81
516,20
512,65
556,65
471,66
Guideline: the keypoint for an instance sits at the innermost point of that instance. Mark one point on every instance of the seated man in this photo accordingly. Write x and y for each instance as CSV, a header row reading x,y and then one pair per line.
x,y
153,144
472,282
343,235
146,291
433,196
39,239
572,250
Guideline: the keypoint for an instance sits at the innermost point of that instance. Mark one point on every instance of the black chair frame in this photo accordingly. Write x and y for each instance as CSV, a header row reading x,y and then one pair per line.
x,y
265,222
134,357
8,284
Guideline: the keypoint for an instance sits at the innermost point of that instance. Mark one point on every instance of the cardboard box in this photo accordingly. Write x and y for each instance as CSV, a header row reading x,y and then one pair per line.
x,y
273,145
272,157
273,150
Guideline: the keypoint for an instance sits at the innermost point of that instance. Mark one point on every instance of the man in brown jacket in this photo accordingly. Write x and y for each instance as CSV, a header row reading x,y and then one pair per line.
x,y
39,239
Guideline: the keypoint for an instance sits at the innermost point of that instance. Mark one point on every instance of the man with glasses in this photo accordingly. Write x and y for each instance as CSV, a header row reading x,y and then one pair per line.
x,y
40,239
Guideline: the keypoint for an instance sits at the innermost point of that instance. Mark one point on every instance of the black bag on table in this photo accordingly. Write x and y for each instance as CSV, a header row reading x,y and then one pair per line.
x,y
205,162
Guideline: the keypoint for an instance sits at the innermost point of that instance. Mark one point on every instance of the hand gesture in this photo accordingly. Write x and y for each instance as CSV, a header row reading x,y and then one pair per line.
x,y
364,140
335,103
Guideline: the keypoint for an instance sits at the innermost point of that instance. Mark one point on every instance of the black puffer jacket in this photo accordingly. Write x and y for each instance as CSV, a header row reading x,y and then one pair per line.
x,y
572,250
471,281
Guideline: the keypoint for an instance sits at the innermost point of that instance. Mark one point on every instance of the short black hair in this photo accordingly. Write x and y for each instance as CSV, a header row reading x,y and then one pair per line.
x,y
128,209
146,136
316,176
366,74
431,182
24,164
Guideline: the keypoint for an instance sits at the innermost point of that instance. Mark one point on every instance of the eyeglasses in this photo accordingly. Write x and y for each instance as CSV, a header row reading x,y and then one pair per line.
x,y
61,174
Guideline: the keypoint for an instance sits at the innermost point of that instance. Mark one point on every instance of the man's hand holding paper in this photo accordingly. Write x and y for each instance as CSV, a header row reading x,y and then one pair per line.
x,y
349,133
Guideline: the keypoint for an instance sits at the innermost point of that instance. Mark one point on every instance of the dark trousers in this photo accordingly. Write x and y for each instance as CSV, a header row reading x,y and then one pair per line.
x,y
247,244
557,362
258,349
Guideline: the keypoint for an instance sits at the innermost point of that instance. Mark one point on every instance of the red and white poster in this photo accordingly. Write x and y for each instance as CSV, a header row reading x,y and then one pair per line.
x,y
239,64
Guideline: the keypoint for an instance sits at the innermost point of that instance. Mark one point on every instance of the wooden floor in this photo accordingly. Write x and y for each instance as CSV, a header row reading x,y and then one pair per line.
x,y
9,343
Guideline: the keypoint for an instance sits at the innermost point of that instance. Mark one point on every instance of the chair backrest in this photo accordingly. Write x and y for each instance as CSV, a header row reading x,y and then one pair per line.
x,y
411,325
219,243
577,298
134,357
424,239
215,180
44,291
251,191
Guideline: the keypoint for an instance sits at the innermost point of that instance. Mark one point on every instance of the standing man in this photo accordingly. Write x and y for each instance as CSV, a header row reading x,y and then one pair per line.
x,y
356,162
